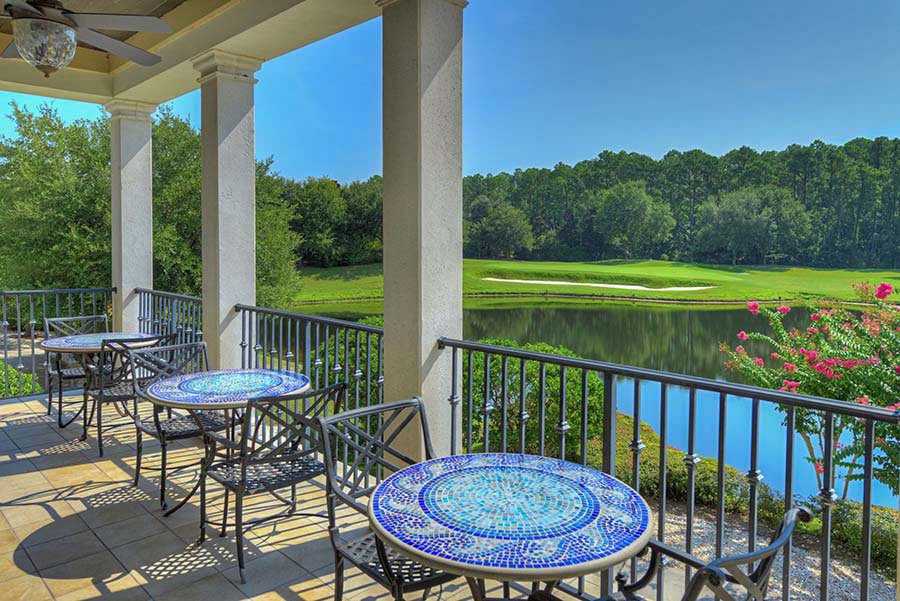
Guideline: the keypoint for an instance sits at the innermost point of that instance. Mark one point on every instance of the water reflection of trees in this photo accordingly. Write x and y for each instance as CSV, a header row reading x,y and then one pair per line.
x,y
678,340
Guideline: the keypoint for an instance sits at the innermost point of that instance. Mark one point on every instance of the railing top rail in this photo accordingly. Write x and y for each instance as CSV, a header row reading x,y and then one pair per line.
x,y
185,297
743,390
55,291
312,318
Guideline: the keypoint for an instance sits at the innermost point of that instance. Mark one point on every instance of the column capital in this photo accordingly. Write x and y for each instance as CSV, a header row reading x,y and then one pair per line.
x,y
130,109
218,63
384,3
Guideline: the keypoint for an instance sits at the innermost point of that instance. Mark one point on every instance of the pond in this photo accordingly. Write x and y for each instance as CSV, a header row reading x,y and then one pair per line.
x,y
675,338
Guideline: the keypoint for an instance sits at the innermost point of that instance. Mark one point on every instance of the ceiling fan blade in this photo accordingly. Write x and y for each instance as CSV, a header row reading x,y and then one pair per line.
x,y
11,51
114,46
21,5
119,22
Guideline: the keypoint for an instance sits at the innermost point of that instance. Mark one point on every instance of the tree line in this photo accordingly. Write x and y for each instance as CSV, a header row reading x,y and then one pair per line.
x,y
818,205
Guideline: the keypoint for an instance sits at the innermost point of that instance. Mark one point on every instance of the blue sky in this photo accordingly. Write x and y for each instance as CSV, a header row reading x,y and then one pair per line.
x,y
560,81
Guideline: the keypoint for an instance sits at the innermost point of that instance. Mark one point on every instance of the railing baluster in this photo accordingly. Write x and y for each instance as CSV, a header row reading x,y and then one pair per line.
x,y
663,482
827,497
584,415
865,560
790,427
754,477
488,407
454,398
637,445
523,406
562,426
470,401
504,401
720,475
691,459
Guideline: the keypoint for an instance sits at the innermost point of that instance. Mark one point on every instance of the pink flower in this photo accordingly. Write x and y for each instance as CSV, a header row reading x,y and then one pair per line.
x,y
819,468
742,335
759,361
863,400
753,307
812,330
838,444
774,356
815,317
884,290
783,309
790,367
893,407
790,386
739,350
897,369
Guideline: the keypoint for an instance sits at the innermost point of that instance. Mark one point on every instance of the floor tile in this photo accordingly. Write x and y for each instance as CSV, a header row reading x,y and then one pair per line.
x,y
92,576
64,550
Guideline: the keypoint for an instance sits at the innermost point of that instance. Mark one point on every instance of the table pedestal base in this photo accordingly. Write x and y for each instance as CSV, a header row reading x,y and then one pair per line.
x,y
477,587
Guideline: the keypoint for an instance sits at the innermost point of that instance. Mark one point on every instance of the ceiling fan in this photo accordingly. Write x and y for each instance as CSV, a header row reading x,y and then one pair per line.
x,y
46,34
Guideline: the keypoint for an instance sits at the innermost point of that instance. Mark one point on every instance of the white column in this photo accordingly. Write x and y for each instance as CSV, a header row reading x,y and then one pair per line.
x,y
131,166
228,199
422,70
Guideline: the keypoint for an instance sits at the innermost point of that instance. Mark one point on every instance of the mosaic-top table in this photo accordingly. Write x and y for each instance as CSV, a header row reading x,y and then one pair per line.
x,y
225,389
510,517
86,344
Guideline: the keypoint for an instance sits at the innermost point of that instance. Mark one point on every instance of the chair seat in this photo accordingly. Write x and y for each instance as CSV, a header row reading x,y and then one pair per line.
x,y
114,393
184,426
363,552
266,476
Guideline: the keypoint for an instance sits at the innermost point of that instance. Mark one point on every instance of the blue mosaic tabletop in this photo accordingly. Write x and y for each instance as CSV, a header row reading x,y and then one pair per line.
x,y
522,516
91,343
225,389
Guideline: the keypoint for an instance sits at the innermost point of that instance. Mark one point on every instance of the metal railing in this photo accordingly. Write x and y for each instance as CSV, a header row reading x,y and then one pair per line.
x,y
22,314
326,350
166,313
517,400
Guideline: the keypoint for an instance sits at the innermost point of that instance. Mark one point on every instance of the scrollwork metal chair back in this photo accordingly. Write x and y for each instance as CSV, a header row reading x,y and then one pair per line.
x,y
278,448
165,425
110,381
359,445
59,368
722,575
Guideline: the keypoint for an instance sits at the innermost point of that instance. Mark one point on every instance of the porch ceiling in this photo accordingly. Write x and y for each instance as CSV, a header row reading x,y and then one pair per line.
x,y
262,30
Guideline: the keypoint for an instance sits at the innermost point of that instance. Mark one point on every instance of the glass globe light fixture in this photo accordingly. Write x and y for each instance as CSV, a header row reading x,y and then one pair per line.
x,y
48,45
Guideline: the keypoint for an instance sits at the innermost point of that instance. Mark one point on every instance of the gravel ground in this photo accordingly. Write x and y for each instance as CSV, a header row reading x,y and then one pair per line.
x,y
805,585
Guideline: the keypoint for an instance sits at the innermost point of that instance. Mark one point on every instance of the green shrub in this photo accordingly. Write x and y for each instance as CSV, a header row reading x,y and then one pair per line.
x,y
10,382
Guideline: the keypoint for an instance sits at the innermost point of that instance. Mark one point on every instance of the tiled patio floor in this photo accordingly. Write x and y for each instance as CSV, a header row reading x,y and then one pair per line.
x,y
73,526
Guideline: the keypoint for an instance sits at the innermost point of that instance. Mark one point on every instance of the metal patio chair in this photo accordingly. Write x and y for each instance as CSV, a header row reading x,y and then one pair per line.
x,y
167,425
358,446
725,577
110,383
278,448
63,367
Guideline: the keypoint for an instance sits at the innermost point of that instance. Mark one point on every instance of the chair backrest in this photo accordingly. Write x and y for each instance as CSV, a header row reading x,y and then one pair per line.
x,y
730,570
359,445
284,427
72,326
117,365
154,363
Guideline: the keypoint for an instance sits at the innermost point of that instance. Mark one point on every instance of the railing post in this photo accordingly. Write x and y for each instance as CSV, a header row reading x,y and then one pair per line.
x,y
609,454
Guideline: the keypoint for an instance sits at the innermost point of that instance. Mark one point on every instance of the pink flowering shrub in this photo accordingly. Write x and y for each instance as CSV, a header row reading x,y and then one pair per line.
x,y
853,357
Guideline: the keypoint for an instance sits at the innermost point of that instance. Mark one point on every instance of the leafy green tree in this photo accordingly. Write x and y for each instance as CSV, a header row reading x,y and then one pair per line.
x,y
631,223
55,186
501,230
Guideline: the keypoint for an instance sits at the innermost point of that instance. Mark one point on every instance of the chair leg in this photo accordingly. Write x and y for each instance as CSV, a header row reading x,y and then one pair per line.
x,y
202,507
49,395
293,498
239,531
99,406
162,474
139,456
224,529
338,577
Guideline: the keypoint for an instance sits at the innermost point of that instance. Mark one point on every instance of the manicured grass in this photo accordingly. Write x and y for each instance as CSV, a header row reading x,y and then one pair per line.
x,y
731,284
